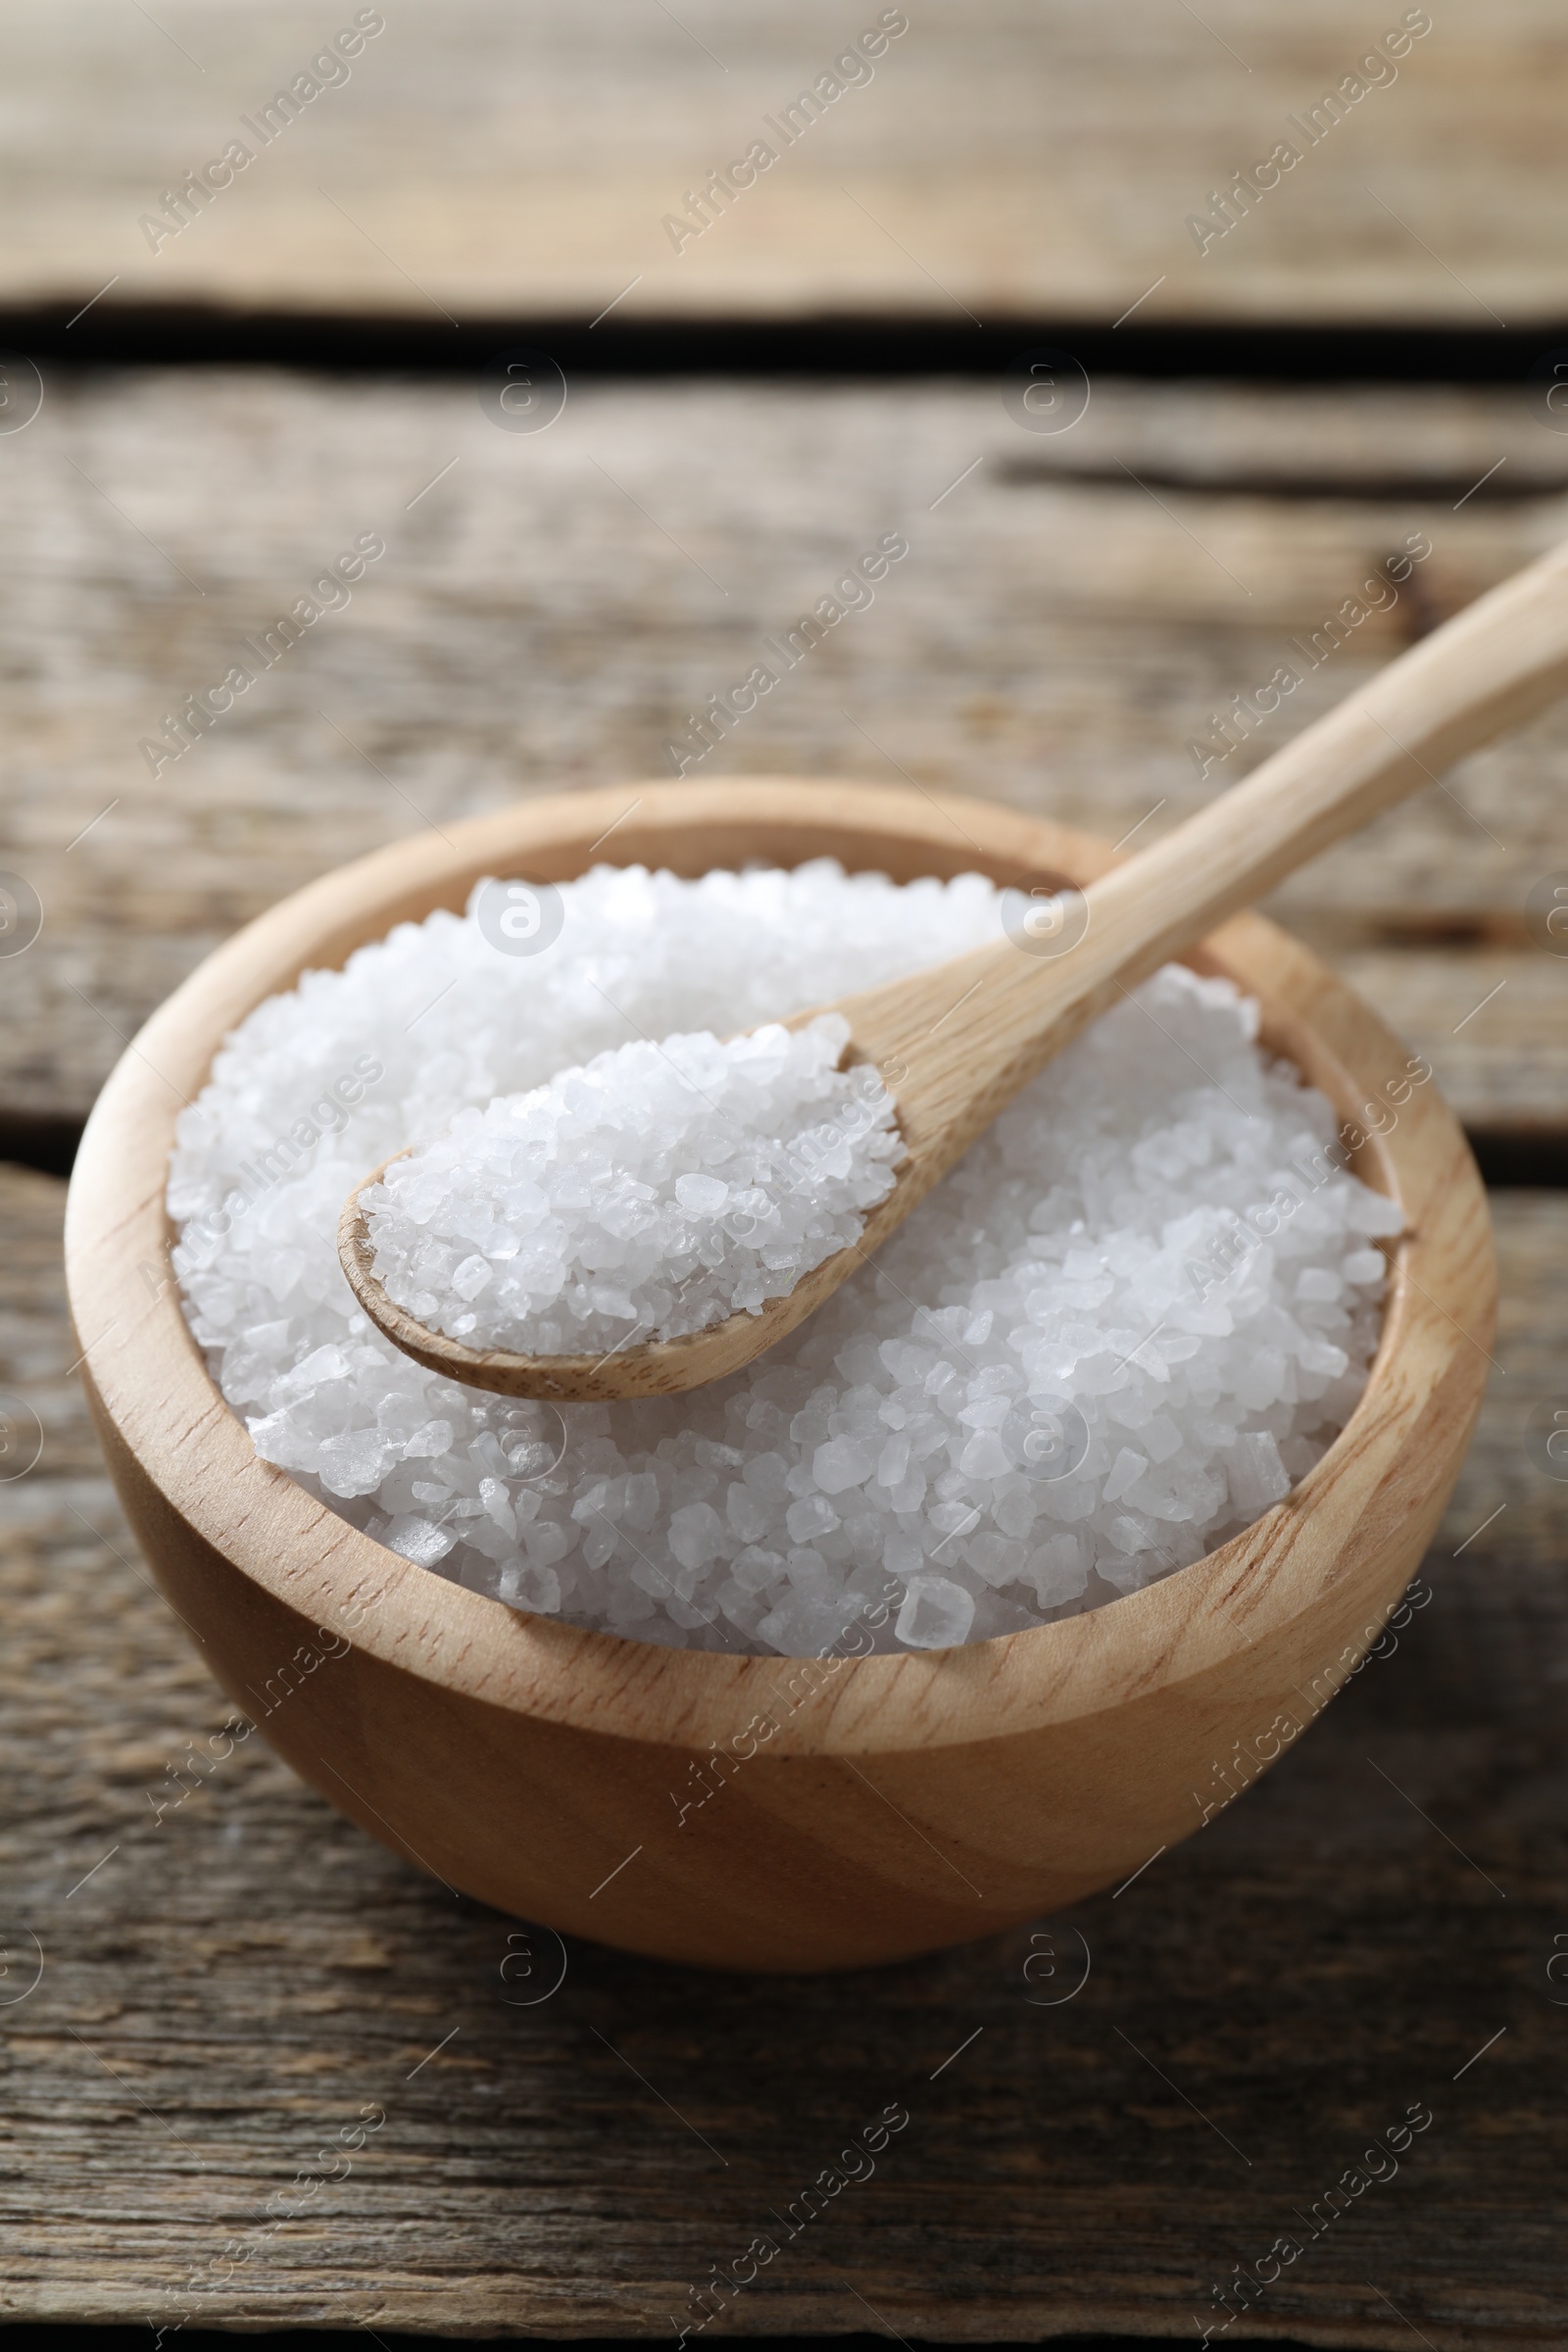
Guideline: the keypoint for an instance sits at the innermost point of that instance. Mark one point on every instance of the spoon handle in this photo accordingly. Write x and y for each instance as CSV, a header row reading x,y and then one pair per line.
x,y
955,1044
1496,663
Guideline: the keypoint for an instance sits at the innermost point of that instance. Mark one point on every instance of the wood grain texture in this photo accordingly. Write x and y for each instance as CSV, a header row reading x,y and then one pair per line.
x,y
504,159
1054,643
237,1981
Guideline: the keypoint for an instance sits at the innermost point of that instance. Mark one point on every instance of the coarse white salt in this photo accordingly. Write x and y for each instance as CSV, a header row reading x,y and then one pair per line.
x,y
1140,1308
654,1191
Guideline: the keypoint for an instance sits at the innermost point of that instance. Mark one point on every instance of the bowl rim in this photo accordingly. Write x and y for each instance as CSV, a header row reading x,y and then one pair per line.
x,y
151,1384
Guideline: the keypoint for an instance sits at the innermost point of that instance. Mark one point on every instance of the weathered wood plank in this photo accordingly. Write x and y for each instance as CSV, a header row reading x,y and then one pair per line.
x,y
501,158
551,609
236,1982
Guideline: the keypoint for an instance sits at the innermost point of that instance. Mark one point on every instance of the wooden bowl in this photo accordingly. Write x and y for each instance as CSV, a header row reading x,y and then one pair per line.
x,y
897,1803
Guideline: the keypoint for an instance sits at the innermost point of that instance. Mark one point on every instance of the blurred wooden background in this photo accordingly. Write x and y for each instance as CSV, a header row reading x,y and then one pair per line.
x,y
1023,158
1377,1921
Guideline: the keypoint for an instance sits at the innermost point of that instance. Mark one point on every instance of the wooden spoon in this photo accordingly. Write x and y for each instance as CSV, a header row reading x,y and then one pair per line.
x,y
957,1043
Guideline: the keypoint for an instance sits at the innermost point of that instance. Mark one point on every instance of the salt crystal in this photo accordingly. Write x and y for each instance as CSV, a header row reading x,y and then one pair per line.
x,y
419,1540
842,1463
696,1534
1257,1476
937,1614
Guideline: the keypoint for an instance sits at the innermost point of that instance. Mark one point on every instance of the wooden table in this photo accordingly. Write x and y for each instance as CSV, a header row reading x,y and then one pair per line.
x,y
509,159
226,1987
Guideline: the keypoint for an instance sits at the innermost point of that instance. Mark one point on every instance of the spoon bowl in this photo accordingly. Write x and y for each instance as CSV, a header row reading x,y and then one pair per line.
x,y
654,1368
858,1808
